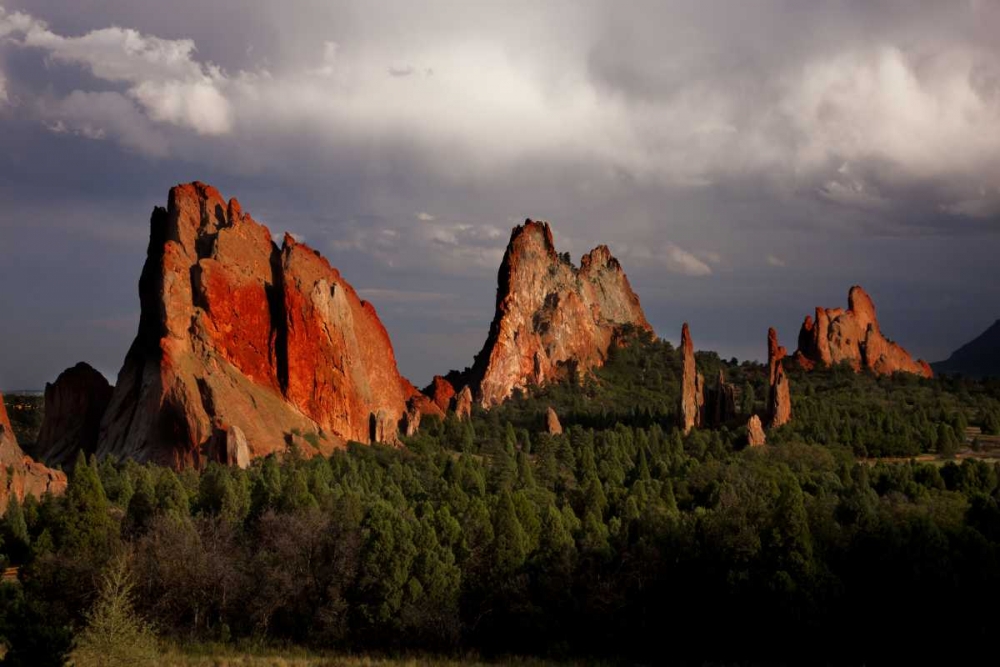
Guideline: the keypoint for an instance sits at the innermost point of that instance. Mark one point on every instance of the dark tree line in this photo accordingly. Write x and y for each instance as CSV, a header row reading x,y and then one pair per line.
x,y
619,539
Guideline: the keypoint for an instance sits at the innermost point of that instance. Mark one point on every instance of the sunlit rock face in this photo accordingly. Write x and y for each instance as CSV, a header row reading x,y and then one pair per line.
x,y
779,399
20,475
854,336
244,346
551,318
692,386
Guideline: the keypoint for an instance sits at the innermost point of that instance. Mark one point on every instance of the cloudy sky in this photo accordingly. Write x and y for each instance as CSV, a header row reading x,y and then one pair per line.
x,y
746,161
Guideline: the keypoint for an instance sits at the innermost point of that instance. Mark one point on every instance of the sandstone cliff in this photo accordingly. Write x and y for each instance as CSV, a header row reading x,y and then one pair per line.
x,y
19,474
237,332
74,405
551,318
853,336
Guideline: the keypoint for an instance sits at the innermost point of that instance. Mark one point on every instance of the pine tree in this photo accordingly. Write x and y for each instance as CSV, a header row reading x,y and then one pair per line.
x,y
115,635
510,543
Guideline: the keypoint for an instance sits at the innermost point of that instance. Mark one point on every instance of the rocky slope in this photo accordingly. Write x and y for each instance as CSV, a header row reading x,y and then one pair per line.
x,y
853,336
19,474
242,340
551,318
977,358
74,405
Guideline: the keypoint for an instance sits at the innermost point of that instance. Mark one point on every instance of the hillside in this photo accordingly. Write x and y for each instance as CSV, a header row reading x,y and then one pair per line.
x,y
979,357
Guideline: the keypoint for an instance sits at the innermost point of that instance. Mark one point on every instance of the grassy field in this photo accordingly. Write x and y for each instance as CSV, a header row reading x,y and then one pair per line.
x,y
227,657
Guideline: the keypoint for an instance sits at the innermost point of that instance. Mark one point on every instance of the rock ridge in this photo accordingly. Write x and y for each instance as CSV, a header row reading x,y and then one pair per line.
x,y
854,336
552,320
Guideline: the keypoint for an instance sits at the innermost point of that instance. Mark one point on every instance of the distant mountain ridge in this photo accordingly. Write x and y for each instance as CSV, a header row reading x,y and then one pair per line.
x,y
980,357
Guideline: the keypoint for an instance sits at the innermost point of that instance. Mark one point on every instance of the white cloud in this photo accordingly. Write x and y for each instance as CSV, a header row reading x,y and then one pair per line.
x,y
162,75
425,217
709,256
678,260
500,97
774,260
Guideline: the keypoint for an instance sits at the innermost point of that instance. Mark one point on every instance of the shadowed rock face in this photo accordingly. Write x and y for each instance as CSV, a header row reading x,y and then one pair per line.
x,y
74,405
853,336
720,402
779,400
19,474
236,332
551,317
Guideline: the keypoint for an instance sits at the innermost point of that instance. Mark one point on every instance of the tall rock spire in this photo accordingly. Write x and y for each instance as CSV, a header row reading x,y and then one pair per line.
x,y
779,400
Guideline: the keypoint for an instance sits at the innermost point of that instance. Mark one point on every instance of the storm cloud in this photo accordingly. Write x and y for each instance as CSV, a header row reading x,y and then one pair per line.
x,y
745,161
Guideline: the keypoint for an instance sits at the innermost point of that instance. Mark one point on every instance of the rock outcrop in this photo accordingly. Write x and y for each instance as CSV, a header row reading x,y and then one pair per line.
x,y
853,336
74,405
237,332
441,392
463,404
755,432
552,319
20,475
779,400
692,385
552,424
720,402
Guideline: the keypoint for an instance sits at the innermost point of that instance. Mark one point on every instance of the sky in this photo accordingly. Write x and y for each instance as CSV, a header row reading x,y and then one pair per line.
x,y
746,162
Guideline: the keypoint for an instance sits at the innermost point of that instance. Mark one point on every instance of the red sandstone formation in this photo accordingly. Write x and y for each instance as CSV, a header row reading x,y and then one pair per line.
x,y
692,385
441,392
779,401
551,318
552,424
240,341
74,405
755,432
463,404
341,370
853,336
19,474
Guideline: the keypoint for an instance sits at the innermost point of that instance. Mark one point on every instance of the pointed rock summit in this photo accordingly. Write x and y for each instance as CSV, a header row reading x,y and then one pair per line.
x,y
551,318
237,333
779,400
853,336
74,405
20,475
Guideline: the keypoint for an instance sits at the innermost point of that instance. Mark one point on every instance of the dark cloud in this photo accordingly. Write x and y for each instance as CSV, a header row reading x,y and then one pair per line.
x,y
746,161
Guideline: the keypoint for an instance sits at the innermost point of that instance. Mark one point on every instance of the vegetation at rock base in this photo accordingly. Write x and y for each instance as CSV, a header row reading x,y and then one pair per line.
x,y
620,539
